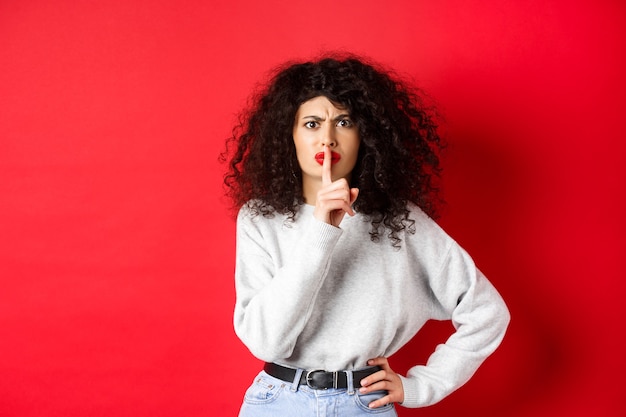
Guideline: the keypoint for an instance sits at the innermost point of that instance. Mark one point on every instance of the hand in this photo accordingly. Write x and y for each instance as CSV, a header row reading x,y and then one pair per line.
x,y
385,379
334,199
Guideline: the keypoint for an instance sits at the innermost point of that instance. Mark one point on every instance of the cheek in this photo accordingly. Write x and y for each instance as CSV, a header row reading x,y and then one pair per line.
x,y
297,144
300,154
354,149
298,150
299,140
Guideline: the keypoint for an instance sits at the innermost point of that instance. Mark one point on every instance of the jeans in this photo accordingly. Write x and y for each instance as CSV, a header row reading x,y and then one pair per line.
x,y
272,397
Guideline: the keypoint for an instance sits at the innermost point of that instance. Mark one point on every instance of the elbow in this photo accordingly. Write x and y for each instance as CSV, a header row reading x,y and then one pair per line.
x,y
268,353
501,318
505,316
264,345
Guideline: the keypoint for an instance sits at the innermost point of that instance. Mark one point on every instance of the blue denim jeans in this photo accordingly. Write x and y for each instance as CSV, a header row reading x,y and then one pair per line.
x,y
272,397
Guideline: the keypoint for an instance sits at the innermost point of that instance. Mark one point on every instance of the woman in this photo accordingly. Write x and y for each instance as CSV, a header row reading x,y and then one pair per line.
x,y
338,261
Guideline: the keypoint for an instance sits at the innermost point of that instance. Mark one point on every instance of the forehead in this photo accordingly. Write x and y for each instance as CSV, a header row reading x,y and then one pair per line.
x,y
320,104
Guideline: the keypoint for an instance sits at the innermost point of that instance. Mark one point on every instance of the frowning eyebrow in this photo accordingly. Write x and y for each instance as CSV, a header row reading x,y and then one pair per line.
x,y
321,119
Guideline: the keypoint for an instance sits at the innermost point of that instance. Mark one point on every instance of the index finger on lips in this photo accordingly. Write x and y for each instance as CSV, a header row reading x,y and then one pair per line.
x,y
327,178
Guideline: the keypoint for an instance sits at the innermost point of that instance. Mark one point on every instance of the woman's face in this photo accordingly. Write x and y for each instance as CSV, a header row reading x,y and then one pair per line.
x,y
319,122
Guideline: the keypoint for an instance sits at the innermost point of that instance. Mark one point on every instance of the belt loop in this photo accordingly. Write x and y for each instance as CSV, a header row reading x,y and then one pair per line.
x,y
296,380
350,382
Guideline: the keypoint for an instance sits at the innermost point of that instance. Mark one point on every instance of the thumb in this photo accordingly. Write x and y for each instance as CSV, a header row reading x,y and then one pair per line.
x,y
354,193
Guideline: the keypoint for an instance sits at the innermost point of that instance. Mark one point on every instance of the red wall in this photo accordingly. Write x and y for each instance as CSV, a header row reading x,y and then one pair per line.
x,y
116,250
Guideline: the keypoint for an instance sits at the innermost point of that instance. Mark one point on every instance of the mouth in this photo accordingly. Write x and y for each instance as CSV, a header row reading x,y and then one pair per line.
x,y
335,157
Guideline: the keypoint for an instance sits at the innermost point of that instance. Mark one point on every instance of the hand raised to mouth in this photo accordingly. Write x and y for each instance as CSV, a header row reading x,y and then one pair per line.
x,y
335,198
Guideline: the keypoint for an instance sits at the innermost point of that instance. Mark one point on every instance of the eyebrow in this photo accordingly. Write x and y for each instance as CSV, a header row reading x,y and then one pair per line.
x,y
321,119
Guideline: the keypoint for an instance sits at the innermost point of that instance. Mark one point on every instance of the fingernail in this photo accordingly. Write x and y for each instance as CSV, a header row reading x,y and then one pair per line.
x,y
364,382
362,390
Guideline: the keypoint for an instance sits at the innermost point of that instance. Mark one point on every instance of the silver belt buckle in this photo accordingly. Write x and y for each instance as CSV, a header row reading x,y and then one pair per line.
x,y
309,378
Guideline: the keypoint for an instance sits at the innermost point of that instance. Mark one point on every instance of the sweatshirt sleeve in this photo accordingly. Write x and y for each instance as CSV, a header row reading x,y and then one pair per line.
x,y
275,297
480,317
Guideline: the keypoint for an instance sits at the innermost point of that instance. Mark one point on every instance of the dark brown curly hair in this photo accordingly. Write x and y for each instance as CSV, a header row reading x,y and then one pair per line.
x,y
398,159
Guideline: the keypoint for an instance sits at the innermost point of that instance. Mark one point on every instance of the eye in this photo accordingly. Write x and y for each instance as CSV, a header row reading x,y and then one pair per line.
x,y
345,123
310,125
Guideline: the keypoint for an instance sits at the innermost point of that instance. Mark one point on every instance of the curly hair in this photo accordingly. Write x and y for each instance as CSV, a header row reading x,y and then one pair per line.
x,y
398,160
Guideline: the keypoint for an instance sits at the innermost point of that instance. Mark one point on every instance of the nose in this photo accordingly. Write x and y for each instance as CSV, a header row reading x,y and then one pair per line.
x,y
328,137
331,143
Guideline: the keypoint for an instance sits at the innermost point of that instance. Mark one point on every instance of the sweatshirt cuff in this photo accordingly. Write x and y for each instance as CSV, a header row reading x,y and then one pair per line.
x,y
323,236
410,388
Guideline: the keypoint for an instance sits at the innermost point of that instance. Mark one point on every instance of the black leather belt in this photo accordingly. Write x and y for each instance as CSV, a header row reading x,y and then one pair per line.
x,y
318,379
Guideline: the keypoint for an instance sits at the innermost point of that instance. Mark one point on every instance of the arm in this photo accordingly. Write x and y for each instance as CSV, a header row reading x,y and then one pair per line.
x,y
275,296
480,318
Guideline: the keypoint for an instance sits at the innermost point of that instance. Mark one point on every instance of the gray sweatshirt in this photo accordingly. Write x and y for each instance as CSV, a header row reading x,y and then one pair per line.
x,y
314,296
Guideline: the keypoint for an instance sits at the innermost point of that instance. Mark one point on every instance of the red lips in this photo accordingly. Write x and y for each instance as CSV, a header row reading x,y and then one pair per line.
x,y
335,157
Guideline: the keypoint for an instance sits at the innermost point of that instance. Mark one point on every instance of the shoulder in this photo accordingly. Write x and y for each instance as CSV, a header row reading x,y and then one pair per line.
x,y
247,212
426,233
423,222
257,214
254,209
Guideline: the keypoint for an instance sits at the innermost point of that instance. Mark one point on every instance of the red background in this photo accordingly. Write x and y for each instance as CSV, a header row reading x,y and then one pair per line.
x,y
116,249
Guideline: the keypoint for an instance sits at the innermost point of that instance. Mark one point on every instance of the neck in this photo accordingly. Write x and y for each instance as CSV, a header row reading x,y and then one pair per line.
x,y
310,187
